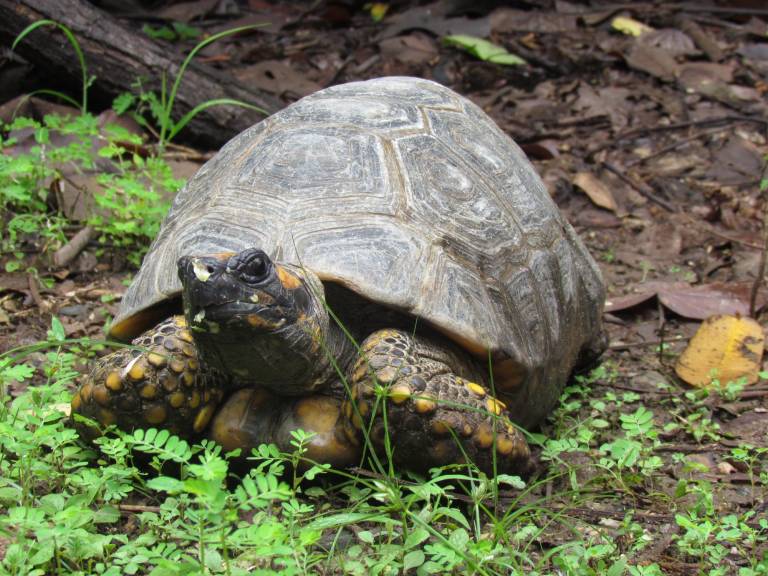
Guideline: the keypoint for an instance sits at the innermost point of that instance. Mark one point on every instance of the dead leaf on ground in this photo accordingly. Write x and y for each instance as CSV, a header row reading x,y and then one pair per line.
x,y
749,427
693,72
738,161
642,293
619,303
187,11
416,48
675,42
630,26
276,77
510,20
597,191
728,348
33,107
712,80
14,282
610,100
432,18
652,60
694,302
269,21
700,302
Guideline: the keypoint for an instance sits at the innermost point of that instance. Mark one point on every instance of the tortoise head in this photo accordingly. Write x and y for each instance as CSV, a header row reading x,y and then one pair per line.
x,y
257,320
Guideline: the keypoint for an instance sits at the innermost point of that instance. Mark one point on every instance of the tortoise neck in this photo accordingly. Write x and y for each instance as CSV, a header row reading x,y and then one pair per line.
x,y
335,357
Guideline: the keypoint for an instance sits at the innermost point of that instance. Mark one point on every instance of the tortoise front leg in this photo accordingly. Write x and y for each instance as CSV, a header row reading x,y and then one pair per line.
x,y
434,415
157,384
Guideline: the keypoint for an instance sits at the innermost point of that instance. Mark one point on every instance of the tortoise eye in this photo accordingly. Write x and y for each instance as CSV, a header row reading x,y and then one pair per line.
x,y
252,266
255,270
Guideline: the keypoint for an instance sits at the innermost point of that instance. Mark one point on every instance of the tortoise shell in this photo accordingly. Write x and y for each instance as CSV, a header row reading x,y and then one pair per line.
x,y
408,194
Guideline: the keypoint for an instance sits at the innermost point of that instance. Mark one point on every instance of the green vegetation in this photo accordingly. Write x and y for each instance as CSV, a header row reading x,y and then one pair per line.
x,y
151,503
125,184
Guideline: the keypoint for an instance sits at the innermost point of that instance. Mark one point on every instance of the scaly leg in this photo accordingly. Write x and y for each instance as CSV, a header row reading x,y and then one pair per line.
x,y
158,384
436,413
250,417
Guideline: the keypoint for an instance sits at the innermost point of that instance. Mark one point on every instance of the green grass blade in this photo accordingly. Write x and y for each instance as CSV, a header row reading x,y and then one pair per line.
x,y
191,55
178,126
72,40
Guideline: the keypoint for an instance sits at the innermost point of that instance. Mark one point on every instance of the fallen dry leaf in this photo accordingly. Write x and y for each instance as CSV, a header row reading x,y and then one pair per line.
x,y
619,303
695,302
705,300
652,60
187,11
416,48
597,191
727,348
675,42
276,77
433,18
510,20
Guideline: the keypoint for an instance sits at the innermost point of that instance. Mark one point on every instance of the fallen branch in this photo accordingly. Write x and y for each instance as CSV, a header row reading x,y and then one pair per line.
x,y
117,56
71,249
761,268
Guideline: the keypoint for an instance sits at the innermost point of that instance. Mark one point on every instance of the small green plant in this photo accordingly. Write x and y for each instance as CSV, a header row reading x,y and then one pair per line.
x,y
160,107
131,200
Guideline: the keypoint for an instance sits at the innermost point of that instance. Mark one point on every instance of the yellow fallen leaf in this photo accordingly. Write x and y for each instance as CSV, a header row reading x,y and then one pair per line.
x,y
597,191
378,11
630,26
724,347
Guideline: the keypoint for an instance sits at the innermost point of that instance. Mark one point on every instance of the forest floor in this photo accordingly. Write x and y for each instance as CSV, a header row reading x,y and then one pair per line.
x,y
654,147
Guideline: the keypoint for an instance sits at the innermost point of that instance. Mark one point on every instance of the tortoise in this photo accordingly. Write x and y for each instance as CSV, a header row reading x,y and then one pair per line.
x,y
376,261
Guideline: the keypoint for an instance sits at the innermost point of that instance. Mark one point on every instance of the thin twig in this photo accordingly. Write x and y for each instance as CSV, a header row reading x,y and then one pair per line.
x,y
676,126
761,268
137,508
34,292
630,345
674,146
641,187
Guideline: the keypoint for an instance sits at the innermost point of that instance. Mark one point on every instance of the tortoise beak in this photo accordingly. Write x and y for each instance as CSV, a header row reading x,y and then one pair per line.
x,y
205,282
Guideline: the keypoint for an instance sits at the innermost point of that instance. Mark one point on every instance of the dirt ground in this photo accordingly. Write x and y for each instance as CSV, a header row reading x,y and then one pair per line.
x,y
654,147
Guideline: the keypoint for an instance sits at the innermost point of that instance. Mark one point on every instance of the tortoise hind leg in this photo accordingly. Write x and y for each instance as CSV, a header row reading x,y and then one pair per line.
x,y
434,415
157,384
254,416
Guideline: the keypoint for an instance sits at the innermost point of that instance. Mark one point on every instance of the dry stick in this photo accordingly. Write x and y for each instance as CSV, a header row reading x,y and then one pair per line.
x,y
630,345
674,145
761,267
677,126
34,292
641,187
137,508
71,249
